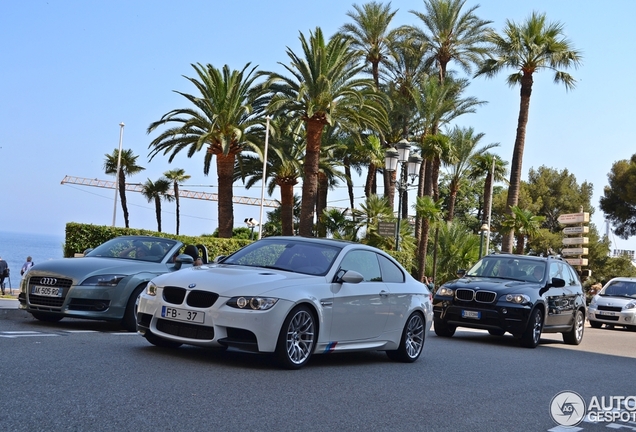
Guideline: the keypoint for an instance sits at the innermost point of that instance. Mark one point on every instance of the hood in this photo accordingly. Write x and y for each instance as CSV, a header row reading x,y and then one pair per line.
x,y
616,301
501,286
231,280
81,268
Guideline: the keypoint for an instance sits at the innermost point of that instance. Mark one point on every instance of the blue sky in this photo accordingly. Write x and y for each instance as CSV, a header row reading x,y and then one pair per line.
x,y
73,70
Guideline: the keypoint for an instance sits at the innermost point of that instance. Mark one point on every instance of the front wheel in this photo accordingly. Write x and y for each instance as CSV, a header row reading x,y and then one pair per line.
x,y
531,336
575,336
596,324
129,322
442,328
297,338
412,341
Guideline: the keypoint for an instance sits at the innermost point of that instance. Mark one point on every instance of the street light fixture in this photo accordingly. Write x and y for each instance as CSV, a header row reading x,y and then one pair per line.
x,y
400,155
484,228
251,223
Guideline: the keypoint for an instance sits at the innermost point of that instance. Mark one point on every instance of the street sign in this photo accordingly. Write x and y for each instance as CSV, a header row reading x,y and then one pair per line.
x,y
575,240
576,230
577,261
386,229
574,251
572,218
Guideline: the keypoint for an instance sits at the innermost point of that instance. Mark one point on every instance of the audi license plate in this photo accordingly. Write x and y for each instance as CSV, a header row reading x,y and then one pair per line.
x,y
471,314
182,315
46,291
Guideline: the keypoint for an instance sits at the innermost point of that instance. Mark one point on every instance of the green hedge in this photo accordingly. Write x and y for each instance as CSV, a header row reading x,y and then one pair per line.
x,y
80,237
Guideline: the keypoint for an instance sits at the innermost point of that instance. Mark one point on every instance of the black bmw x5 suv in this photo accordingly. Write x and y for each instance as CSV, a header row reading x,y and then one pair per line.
x,y
518,294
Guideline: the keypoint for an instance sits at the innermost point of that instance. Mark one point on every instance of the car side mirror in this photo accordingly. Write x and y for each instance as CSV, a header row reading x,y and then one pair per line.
x,y
351,276
182,259
218,259
557,283
461,272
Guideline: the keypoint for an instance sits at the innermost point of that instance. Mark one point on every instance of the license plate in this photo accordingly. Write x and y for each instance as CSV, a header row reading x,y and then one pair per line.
x,y
46,291
471,314
182,314
606,313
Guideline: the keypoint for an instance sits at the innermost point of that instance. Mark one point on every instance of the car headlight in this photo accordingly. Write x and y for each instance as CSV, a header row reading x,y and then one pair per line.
x,y
253,303
151,289
446,292
517,298
108,280
629,306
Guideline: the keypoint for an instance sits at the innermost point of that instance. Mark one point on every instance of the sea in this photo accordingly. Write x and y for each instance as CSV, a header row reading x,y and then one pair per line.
x,y
16,247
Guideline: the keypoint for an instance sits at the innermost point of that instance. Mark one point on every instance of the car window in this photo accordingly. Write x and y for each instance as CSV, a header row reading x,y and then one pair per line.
x,y
559,270
620,289
364,262
134,248
390,271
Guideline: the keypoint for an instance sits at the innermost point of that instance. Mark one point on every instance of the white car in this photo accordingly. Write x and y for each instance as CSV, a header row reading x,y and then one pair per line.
x,y
615,304
294,297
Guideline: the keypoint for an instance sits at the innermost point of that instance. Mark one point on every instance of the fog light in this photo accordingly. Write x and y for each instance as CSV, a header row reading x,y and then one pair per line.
x,y
628,319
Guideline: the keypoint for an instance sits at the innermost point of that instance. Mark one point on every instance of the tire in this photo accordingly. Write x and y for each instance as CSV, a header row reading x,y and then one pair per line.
x,y
497,332
129,322
575,336
596,324
412,340
442,328
46,317
159,341
297,338
532,335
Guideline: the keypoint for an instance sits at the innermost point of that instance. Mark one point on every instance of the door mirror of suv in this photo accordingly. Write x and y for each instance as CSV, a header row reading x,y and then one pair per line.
x,y
557,283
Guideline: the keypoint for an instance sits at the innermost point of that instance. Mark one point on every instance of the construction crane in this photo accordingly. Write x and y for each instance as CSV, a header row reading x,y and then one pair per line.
x,y
136,187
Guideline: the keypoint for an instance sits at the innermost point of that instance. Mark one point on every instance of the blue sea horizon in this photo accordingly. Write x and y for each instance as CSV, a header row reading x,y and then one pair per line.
x,y
16,246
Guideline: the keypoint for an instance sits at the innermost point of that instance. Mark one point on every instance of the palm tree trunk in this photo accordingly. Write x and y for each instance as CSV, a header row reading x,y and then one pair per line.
x,y
321,204
287,208
517,156
158,212
520,244
418,223
422,250
176,199
310,180
368,185
347,168
225,172
122,196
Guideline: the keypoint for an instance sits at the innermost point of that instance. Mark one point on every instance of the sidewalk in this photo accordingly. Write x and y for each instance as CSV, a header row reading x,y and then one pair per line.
x,y
9,306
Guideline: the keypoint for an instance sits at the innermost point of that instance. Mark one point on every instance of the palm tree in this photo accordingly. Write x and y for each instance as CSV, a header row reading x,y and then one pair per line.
x,y
430,212
482,166
156,191
284,167
523,223
177,176
224,121
527,48
452,35
324,89
464,144
128,167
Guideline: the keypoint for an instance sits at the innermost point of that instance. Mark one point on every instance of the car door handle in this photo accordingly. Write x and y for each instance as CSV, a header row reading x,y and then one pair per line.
x,y
384,293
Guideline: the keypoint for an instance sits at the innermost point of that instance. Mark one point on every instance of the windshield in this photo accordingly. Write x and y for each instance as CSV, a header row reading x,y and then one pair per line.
x,y
620,289
134,248
283,254
505,267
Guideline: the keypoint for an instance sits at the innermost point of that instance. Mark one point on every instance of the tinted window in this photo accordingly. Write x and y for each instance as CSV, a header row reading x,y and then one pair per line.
x,y
365,263
390,272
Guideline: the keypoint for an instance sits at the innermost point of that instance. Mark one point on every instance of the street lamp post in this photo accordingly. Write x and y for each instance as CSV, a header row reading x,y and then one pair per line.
x,y
484,228
401,155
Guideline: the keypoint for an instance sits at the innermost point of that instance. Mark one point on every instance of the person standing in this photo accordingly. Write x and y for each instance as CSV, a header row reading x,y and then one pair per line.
x,y
4,272
27,265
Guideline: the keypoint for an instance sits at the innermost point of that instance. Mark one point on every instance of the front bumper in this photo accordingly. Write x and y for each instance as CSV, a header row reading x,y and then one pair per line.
x,y
222,325
509,317
612,317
